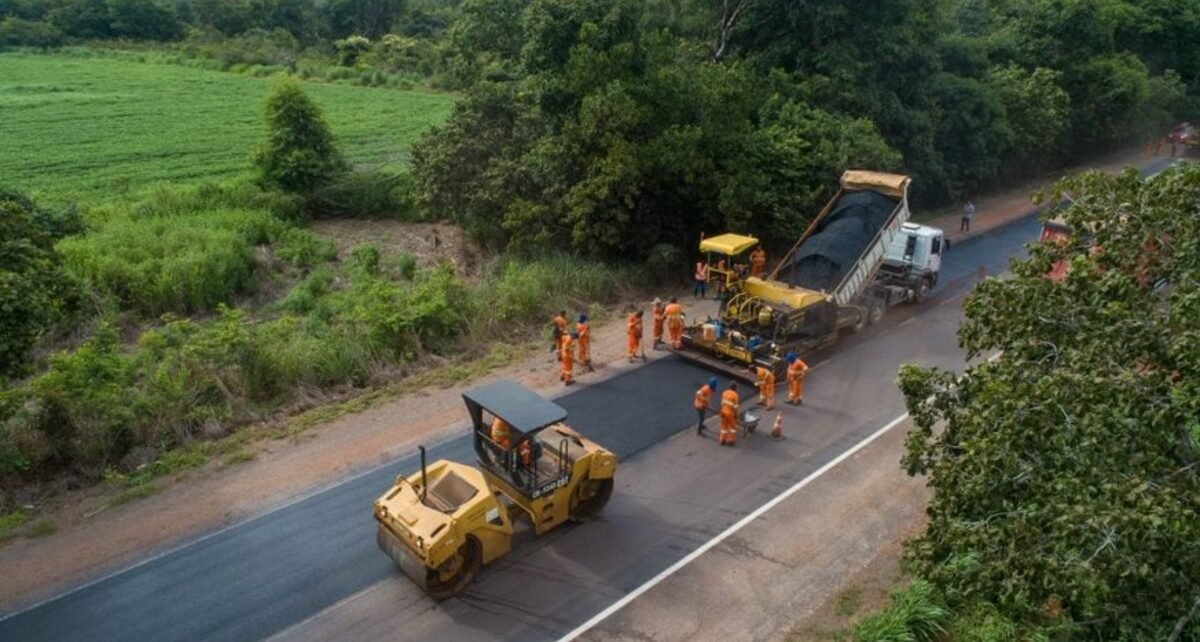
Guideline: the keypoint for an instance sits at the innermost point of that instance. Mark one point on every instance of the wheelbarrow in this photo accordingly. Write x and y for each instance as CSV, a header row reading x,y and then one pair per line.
x,y
748,423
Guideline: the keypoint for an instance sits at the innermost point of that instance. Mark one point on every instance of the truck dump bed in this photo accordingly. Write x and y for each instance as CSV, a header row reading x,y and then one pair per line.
x,y
844,246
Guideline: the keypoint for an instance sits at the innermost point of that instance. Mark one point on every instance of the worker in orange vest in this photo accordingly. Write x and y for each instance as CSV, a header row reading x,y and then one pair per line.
x,y
501,433
703,403
730,407
797,371
674,312
584,331
634,333
568,358
660,316
766,385
758,261
559,328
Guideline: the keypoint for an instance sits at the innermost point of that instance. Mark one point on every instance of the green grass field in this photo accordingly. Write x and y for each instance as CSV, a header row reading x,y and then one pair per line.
x,y
77,127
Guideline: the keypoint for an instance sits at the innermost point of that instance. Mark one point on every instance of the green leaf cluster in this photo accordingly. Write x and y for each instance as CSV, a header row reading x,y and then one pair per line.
x,y
298,155
1066,474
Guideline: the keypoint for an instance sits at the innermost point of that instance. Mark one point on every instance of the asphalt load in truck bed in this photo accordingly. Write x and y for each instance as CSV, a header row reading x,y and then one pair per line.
x,y
822,261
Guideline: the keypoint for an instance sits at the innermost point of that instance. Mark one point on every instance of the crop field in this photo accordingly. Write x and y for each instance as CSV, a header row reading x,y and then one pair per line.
x,y
78,127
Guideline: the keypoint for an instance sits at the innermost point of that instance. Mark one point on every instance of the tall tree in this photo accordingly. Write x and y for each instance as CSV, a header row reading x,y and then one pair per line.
x,y
1066,474
299,154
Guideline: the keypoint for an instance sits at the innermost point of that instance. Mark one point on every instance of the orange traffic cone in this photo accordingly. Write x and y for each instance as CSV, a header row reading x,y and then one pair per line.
x,y
777,430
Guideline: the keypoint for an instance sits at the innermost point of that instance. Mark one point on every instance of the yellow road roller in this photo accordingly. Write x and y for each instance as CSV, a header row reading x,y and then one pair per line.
x,y
445,521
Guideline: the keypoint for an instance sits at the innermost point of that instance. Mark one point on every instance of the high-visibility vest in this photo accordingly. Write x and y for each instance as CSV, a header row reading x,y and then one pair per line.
x,y
635,326
701,271
703,397
730,401
674,311
797,370
501,433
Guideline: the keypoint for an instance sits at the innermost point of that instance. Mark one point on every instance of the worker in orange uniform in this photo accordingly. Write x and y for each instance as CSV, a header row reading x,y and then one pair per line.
x,y
660,316
501,433
584,331
559,328
674,312
766,385
730,407
634,333
703,403
758,261
797,371
567,357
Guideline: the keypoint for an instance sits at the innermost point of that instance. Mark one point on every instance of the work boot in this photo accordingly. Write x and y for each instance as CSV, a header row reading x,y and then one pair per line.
x,y
569,382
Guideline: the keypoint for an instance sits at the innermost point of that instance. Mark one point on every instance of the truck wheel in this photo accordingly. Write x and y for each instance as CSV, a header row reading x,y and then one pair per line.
x,y
921,291
875,309
456,573
589,498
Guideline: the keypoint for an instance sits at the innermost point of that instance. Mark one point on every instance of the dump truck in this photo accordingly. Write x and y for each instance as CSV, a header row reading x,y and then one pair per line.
x,y
857,258
442,523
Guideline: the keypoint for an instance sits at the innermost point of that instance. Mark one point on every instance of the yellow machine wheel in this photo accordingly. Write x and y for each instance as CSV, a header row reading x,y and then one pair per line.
x,y
445,581
589,498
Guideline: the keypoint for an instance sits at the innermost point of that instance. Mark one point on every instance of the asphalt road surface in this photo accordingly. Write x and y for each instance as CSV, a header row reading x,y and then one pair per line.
x,y
311,570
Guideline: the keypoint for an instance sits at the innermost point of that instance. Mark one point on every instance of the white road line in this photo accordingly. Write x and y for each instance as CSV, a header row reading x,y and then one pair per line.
x,y
739,525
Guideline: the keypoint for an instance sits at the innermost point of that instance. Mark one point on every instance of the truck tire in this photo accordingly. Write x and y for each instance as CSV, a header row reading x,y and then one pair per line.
x,y
921,291
875,310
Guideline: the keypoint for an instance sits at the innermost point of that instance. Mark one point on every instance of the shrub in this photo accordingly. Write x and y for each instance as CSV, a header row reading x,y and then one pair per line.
x,y
366,259
405,319
179,264
35,293
302,248
304,296
524,291
15,32
406,266
368,195
209,197
299,154
915,614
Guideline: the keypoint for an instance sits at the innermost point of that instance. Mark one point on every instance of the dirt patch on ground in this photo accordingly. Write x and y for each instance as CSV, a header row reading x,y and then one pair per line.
x,y
431,244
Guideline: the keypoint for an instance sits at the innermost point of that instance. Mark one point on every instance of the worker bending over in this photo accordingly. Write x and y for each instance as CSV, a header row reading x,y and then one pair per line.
x,y
766,385
758,262
730,408
674,312
660,316
584,331
704,402
634,332
567,357
797,371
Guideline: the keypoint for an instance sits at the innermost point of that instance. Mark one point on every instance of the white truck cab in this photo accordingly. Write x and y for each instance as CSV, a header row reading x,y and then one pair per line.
x,y
914,258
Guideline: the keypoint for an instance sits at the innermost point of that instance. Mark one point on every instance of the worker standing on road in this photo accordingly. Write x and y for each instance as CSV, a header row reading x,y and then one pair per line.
x,y
568,358
766,385
584,331
558,328
704,402
730,408
758,261
675,315
797,371
634,333
700,288
501,433
967,217
660,316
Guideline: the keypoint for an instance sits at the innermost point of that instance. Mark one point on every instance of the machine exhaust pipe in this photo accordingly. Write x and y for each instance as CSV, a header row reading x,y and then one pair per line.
x,y
424,478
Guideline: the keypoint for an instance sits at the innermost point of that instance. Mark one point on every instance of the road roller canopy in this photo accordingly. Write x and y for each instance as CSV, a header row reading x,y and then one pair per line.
x,y
728,244
522,408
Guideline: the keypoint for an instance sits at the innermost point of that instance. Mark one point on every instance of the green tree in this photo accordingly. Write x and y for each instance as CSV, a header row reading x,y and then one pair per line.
x,y
143,20
1066,474
1038,111
299,154
35,293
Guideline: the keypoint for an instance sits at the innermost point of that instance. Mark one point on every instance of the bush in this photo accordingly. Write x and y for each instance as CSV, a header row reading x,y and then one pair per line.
x,y
15,32
916,614
299,155
304,297
520,291
207,197
35,293
368,195
302,248
181,264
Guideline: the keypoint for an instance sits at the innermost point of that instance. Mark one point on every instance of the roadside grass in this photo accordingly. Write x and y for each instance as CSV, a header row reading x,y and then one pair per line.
x,y
848,601
10,522
114,125
43,528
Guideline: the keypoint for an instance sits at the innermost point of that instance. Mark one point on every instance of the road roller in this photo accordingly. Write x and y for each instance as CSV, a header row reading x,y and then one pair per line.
x,y
533,471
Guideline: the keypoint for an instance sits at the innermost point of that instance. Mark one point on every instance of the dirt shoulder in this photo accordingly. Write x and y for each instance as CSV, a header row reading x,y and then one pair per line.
x,y
95,537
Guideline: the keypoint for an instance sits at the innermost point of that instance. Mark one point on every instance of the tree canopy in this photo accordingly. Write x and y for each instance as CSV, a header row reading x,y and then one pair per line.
x,y
1066,473
299,153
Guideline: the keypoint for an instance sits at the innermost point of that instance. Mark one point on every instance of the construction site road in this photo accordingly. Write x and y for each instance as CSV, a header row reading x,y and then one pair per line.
x,y
311,569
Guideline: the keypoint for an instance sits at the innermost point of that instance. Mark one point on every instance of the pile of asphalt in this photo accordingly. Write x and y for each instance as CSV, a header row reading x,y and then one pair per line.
x,y
827,256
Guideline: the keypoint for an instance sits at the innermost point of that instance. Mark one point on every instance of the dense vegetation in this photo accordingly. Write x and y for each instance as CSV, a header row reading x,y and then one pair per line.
x,y
1066,474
